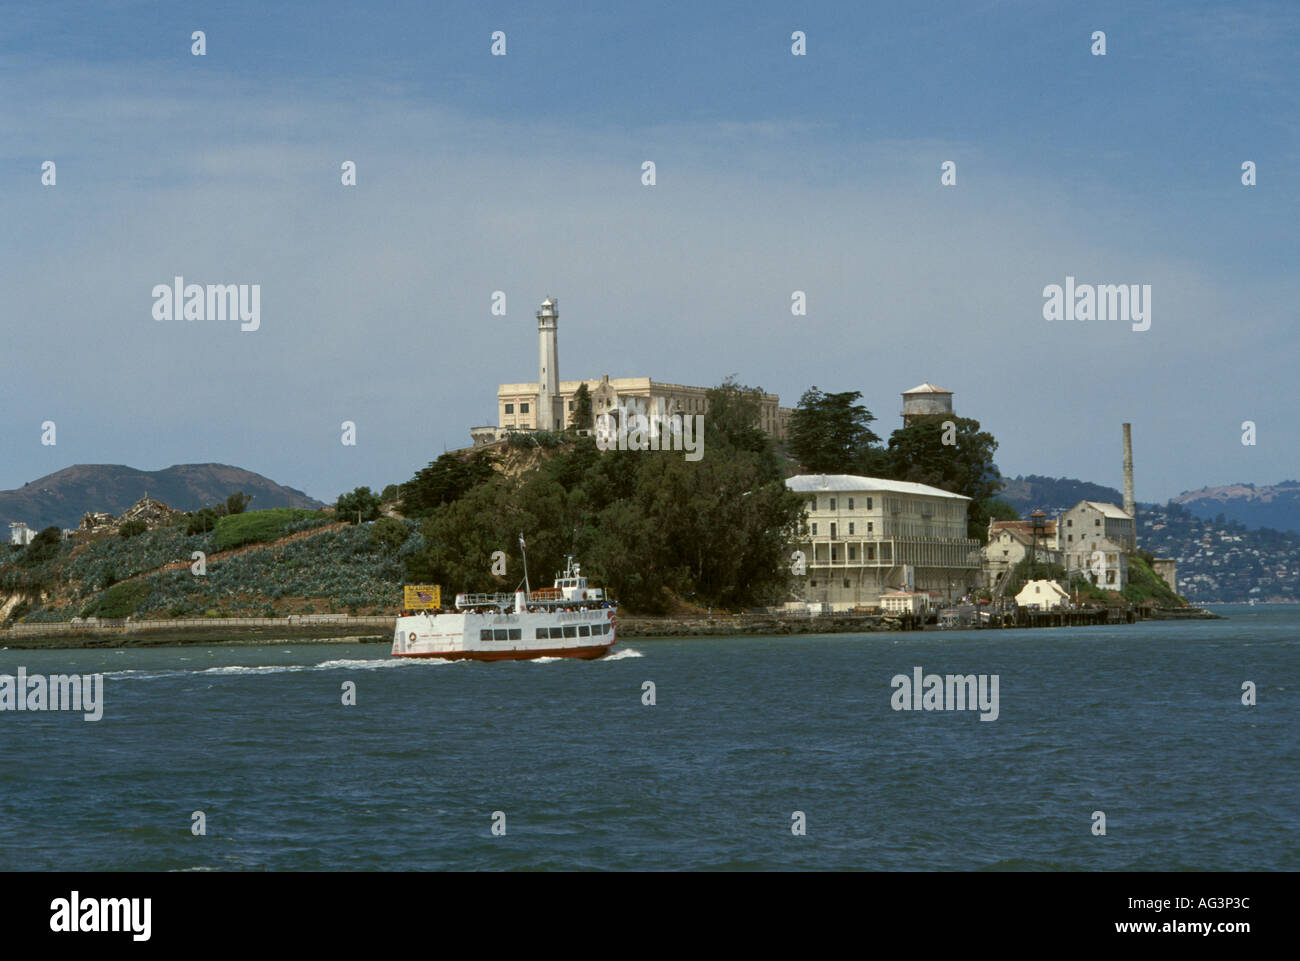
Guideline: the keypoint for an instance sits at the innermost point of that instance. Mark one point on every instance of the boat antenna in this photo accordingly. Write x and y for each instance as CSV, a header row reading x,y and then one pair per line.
x,y
524,552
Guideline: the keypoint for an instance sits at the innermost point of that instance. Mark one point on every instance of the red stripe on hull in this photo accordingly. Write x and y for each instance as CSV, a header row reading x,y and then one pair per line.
x,y
583,653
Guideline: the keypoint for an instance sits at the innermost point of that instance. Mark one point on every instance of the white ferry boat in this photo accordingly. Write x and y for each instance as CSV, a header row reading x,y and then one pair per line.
x,y
570,619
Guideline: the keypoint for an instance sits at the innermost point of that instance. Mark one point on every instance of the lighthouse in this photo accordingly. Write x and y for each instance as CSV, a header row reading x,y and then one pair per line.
x,y
550,410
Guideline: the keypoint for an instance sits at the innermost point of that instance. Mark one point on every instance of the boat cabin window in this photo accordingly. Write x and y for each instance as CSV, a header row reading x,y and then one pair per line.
x,y
485,635
542,634
557,632
500,635
584,630
516,633
571,630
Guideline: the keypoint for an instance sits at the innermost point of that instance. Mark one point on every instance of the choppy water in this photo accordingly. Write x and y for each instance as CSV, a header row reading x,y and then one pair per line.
x,y
1142,722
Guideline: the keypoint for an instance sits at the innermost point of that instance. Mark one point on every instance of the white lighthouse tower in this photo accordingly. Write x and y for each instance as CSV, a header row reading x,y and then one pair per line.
x,y
550,411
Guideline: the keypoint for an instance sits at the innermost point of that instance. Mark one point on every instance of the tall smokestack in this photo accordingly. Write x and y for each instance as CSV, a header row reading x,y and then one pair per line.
x,y
1130,504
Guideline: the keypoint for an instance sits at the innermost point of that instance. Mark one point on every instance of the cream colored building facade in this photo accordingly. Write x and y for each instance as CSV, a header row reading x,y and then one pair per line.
x,y
517,403
865,536
1010,542
548,404
1097,538
1042,596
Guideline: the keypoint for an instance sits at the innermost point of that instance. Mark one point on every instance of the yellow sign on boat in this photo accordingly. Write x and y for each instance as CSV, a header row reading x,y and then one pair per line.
x,y
420,596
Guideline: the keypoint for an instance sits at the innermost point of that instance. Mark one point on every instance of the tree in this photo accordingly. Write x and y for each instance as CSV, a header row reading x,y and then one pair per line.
x,y
361,503
42,547
205,519
831,434
734,421
237,503
582,417
132,528
647,525
956,458
389,533
445,480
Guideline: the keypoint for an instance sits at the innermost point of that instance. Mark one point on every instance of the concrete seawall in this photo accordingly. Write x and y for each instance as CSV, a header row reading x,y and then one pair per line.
x,y
742,624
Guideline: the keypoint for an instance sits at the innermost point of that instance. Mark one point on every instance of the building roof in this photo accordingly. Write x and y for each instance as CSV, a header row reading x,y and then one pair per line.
x,y
1048,587
834,483
1108,510
926,388
1021,527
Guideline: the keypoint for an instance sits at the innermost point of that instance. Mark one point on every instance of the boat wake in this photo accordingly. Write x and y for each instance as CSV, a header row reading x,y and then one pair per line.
x,y
623,655
239,670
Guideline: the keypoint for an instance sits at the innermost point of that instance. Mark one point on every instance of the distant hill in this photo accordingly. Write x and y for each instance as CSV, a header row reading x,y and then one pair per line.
x,y
1276,506
1035,491
62,498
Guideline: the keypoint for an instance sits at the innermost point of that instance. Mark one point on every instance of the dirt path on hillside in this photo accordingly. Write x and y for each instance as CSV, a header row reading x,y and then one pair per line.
x,y
237,551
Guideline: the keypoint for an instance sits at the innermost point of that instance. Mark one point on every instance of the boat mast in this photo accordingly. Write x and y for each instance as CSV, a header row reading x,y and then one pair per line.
x,y
524,552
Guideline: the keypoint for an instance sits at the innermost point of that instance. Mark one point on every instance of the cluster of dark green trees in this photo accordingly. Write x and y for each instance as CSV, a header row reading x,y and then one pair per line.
x,y
650,526
831,434
205,519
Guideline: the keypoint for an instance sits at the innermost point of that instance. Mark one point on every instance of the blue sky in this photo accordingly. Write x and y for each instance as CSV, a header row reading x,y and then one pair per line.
x,y
522,173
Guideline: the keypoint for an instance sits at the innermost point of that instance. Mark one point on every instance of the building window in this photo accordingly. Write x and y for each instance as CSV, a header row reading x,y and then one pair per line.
x,y
1070,522
870,527
812,583
814,530
871,553
850,527
868,503
832,503
1097,522
570,405
850,503
510,408
832,530
846,582
853,552
523,408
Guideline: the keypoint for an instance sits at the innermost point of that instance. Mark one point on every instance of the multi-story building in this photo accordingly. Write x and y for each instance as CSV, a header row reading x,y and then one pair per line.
x,y
1010,542
864,536
549,403
1089,520
1097,539
20,533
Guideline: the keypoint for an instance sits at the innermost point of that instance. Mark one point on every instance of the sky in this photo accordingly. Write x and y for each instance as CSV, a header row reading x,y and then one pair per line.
x,y
522,173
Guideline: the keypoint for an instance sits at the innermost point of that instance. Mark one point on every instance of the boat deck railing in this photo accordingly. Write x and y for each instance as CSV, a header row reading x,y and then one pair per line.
x,y
477,600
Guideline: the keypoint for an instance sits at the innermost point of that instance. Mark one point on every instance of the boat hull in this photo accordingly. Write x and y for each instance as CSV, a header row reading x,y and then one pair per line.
x,y
583,653
584,633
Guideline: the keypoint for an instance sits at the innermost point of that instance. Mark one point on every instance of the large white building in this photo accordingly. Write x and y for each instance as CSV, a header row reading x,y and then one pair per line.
x,y
864,536
548,403
20,533
1097,539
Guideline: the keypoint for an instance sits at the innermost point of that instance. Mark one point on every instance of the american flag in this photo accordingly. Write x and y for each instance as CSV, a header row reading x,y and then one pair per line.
x,y
522,546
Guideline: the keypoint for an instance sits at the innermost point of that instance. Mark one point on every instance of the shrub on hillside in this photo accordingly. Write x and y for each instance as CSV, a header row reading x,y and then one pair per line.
x,y
133,528
123,600
236,530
